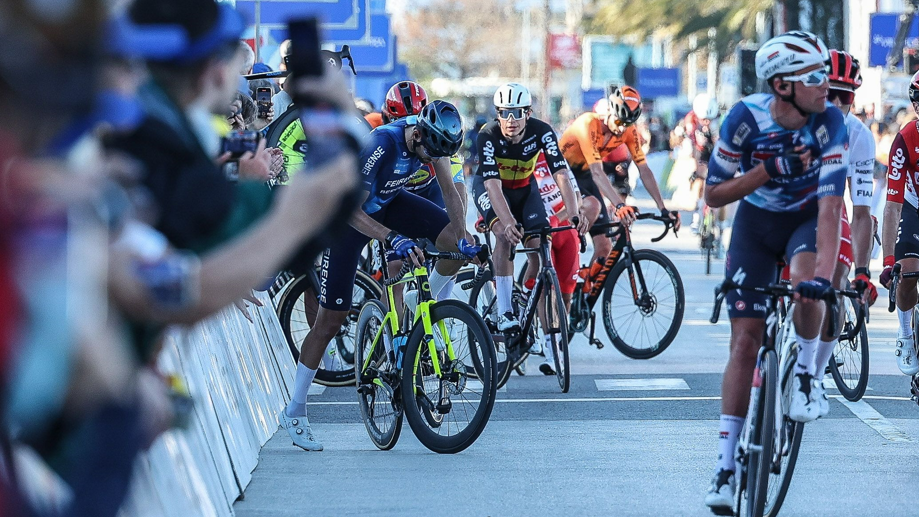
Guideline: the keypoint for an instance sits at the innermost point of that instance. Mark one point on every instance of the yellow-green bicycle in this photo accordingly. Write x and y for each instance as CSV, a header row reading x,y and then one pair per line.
x,y
435,364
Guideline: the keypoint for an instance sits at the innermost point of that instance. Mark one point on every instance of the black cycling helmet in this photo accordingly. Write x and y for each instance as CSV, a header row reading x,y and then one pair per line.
x,y
441,128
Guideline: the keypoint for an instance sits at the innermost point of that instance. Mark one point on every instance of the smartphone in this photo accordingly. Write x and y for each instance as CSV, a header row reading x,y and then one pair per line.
x,y
305,59
263,101
237,143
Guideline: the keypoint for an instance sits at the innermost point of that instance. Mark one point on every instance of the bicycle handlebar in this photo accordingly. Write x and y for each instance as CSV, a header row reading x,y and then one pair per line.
x,y
542,233
668,225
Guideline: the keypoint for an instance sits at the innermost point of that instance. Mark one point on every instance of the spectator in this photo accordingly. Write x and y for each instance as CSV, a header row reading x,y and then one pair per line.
x,y
242,112
248,60
282,99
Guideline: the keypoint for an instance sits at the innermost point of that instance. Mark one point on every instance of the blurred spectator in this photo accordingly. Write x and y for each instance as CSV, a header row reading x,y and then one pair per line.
x,y
248,60
261,68
282,99
242,112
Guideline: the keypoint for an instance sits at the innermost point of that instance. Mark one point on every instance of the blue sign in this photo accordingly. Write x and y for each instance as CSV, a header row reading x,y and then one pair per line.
x,y
343,21
658,82
379,52
590,97
883,31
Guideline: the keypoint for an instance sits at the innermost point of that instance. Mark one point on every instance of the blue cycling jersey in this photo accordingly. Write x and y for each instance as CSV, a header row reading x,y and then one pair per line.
x,y
749,135
386,164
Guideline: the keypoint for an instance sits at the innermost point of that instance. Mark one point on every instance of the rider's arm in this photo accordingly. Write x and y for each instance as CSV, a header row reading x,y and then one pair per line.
x,y
365,224
455,206
721,187
892,212
861,188
898,172
571,200
831,186
724,192
601,180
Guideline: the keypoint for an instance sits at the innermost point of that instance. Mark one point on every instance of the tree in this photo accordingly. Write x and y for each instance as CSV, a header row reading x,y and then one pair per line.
x,y
461,38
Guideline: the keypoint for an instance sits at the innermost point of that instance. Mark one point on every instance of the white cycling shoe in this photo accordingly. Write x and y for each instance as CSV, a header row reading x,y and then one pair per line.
x,y
720,496
804,405
298,428
906,356
508,321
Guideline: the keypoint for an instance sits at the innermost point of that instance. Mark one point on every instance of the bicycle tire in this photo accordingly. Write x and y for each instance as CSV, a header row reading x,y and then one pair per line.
x,y
852,379
414,373
783,462
373,400
670,287
557,321
759,462
296,318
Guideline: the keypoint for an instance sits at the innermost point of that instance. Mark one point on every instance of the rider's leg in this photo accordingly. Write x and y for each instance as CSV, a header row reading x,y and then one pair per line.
x,y
746,339
827,342
907,298
808,317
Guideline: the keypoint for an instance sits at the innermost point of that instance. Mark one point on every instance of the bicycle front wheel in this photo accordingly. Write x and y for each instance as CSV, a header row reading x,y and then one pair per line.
x,y
380,406
557,323
849,363
643,304
448,410
786,444
759,455
482,300
297,314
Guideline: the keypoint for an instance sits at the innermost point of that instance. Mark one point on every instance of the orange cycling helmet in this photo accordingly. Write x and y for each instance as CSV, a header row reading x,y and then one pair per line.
x,y
844,69
625,104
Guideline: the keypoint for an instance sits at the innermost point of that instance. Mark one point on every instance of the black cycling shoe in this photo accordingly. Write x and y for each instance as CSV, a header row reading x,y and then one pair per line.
x,y
546,369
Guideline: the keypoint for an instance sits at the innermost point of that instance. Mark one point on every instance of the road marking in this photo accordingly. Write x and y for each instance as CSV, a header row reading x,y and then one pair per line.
x,y
830,384
316,389
584,399
640,384
876,421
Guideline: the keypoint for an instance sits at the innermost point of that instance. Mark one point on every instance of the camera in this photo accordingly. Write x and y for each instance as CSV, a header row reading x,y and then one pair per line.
x,y
237,143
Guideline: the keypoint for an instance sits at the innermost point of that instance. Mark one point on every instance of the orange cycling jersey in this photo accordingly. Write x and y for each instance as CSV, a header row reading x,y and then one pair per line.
x,y
587,142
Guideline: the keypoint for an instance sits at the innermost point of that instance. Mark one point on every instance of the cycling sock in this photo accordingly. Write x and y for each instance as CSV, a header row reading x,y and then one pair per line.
x,y
728,431
807,351
548,351
437,282
302,381
447,292
824,353
505,286
906,322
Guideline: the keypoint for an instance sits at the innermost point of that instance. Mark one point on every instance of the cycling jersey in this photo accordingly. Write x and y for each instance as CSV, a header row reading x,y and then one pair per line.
x,y
424,176
587,141
513,164
749,136
387,164
861,161
903,170
548,188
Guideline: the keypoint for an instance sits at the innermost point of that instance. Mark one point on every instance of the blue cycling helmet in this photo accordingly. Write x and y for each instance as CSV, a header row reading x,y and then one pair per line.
x,y
441,128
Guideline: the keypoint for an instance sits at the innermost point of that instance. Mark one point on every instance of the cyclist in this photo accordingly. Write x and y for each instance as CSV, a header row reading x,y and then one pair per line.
x,y
790,150
898,241
856,239
391,155
591,137
701,134
508,149
616,166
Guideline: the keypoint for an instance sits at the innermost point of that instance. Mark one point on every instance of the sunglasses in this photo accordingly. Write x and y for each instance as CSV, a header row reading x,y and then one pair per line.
x,y
506,113
815,78
845,96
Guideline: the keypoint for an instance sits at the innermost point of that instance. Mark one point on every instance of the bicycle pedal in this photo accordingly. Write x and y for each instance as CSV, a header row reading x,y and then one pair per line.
x,y
444,406
597,343
365,389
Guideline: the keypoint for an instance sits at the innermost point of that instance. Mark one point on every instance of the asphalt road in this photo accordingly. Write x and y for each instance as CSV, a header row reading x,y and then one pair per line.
x,y
630,438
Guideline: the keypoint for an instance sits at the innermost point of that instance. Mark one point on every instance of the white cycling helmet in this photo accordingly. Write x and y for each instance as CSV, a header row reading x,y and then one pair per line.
x,y
789,53
705,106
513,95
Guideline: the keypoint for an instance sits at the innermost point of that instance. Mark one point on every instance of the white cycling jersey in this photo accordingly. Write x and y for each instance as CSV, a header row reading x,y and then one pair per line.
x,y
548,189
861,161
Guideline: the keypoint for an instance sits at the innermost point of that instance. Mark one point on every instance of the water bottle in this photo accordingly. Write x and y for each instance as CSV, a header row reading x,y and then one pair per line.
x,y
399,343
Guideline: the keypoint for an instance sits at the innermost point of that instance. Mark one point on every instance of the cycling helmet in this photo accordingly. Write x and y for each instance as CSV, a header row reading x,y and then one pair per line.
x,y
913,91
705,107
789,53
441,128
625,104
403,99
513,95
844,69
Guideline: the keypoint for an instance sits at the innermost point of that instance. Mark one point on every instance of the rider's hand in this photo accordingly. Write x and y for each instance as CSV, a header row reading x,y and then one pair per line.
x,y
581,222
626,214
511,233
480,225
888,271
674,217
789,164
863,284
467,248
816,289
403,247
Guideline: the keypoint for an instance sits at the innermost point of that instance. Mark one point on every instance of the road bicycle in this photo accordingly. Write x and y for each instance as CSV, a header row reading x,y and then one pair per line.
x,y
849,363
435,365
710,236
769,442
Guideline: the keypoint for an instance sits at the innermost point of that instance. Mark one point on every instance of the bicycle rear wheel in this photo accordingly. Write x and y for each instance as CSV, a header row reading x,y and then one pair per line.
x,y
297,313
557,323
380,404
759,455
448,412
647,303
786,445
849,363
482,300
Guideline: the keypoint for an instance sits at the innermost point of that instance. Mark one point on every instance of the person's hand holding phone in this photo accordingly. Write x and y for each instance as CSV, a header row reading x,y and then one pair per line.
x,y
256,166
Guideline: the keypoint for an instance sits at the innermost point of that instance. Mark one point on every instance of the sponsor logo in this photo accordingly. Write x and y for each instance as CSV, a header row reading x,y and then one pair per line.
x,y
740,305
892,192
866,163
826,189
324,277
832,161
724,435
532,216
897,161
864,193
551,147
484,202
741,134
822,136
530,148
861,181
372,160
759,307
773,56
488,153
